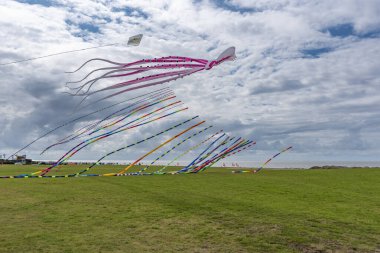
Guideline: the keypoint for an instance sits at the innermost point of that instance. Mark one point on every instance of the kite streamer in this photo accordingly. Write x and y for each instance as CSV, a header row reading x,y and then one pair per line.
x,y
264,164
204,157
102,158
218,154
200,155
158,147
233,146
230,154
155,100
93,140
131,145
154,97
225,142
187,151
128,115
89,141
174,147
270,159
82,117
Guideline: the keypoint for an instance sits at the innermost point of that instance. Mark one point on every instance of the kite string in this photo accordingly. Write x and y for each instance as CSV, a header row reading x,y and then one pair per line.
x,y
49,55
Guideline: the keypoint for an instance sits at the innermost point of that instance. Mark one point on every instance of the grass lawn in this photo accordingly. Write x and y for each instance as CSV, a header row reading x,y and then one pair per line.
x,y
217,211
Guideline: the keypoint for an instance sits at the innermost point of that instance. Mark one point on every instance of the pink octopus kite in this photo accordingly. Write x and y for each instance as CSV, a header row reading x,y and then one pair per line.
x,y
179,67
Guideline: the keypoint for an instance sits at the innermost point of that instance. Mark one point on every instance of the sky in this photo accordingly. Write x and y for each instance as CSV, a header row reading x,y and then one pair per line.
x,y
306,74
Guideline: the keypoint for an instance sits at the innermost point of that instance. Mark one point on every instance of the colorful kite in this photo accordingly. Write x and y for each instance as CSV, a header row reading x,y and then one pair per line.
x,y
139,111
175,67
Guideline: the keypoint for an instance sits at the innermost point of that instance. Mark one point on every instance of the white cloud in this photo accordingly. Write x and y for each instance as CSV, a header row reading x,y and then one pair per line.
x,y
272,92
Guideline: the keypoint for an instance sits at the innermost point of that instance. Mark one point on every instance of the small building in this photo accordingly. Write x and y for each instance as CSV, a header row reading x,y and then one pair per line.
x,y
21,159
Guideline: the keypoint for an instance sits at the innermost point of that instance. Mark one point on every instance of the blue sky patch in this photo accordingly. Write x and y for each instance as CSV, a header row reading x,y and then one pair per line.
x,y
346,30
234,8
342,30
315,52
46,3
89,27
129,11
85,28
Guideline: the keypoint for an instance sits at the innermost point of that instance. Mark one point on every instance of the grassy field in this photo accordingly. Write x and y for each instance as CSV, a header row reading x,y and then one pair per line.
x,y
217,211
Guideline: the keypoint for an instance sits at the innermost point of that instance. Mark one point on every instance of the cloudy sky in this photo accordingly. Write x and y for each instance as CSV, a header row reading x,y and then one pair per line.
x,y
307,73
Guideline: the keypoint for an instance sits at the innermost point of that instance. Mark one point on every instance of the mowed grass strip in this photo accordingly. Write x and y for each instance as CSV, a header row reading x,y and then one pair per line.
x,y
217,211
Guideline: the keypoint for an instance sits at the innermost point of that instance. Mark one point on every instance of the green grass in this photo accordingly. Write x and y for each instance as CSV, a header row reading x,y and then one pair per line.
x,y
217,211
